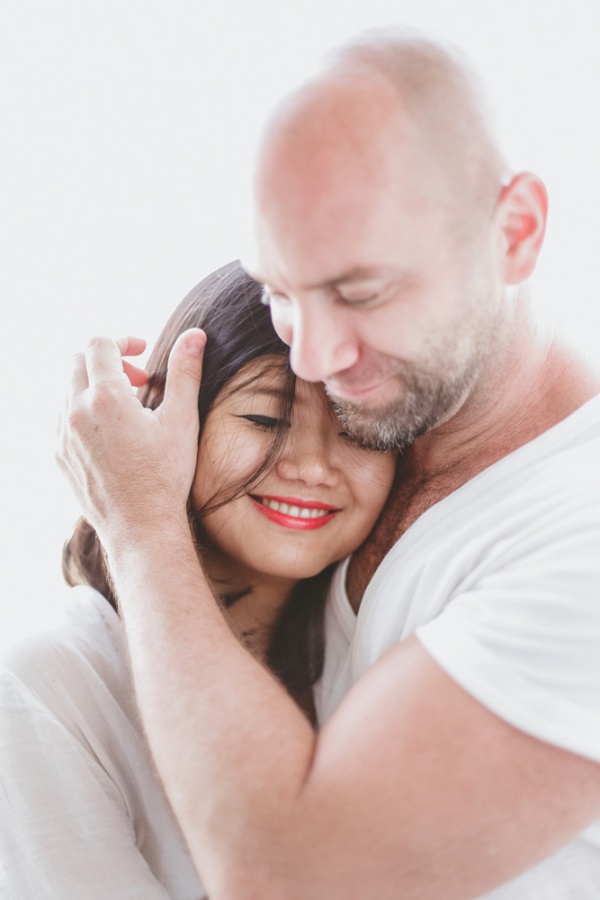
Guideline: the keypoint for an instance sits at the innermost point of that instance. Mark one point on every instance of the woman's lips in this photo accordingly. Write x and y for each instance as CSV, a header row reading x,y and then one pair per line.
x,y
291,512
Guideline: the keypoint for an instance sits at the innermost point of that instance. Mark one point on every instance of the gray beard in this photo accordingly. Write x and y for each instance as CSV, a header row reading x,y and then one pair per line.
x,y
425,401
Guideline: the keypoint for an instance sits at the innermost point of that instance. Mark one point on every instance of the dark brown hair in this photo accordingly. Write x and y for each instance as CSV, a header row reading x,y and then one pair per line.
x,y
228,305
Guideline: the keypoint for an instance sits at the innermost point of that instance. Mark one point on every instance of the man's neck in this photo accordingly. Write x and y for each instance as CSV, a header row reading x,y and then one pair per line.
x,y
537,384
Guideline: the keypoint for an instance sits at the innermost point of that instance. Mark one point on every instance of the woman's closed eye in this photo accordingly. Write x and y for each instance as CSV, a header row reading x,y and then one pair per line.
x,y
267,422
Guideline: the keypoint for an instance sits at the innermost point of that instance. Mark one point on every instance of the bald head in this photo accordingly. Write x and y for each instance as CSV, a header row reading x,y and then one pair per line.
x,y
387,98
440,95
388,235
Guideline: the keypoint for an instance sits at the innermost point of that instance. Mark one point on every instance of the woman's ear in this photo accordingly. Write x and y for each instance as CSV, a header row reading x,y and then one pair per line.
x,y
522,212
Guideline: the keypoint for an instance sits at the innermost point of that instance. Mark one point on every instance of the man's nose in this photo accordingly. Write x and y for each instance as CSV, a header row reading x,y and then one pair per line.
x,y
321,341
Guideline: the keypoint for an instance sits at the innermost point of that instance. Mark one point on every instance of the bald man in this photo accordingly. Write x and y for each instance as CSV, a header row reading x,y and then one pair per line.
x,y
461,695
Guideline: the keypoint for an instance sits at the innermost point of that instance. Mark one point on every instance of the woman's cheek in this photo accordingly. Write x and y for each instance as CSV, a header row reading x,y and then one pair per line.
x,y
377,479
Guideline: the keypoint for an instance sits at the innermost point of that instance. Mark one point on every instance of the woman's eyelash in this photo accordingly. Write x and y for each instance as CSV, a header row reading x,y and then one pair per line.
x,y
266,421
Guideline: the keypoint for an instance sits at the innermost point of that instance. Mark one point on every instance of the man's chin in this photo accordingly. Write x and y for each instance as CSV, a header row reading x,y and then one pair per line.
x,y
391,426
414,403
373,428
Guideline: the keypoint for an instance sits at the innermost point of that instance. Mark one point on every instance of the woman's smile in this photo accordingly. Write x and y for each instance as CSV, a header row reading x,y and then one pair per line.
x,y
293,512
317,478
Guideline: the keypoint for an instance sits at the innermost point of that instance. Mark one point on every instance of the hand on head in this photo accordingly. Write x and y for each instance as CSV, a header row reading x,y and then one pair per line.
x,y
130,466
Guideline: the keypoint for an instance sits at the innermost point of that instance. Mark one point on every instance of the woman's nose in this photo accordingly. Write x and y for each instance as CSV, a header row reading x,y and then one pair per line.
x,y
308,457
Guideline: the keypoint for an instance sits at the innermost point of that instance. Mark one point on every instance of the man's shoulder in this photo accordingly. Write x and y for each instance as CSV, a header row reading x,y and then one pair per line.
x,y
566,454
460,518
540,501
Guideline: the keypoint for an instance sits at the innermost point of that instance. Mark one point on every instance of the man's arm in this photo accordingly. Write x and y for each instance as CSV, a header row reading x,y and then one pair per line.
x,y
413,788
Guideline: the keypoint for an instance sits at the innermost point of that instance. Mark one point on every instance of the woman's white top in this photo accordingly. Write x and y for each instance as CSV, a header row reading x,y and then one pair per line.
x,y
83,815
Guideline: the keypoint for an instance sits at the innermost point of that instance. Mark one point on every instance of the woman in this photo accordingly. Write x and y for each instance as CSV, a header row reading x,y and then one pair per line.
x,y
280,494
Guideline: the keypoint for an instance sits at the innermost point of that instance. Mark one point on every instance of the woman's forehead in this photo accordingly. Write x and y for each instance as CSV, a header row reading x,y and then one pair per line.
x,y
267,373
271,376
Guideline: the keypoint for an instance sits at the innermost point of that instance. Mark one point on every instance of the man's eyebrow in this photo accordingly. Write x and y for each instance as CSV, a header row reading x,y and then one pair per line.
x,y
369,273
350,276
361,273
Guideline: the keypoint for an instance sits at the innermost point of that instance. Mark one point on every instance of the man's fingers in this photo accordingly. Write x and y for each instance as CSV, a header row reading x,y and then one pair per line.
x,y
103,361
131,346
79,378
137,377
184,374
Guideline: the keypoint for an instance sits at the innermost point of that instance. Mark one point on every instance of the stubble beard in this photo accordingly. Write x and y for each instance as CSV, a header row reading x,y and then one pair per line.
x,y
423,401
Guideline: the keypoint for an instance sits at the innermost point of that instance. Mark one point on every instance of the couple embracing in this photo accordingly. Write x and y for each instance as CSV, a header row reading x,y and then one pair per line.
x,y
359,591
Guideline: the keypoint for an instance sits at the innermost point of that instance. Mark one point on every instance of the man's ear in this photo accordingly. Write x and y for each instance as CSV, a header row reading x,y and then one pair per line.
x,y
522,212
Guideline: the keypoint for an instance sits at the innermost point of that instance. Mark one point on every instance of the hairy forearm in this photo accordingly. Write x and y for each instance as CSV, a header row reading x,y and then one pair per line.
x,y
215,718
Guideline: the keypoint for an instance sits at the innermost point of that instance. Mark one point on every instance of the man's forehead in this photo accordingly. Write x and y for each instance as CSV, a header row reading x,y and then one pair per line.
x,y
328,127
372,236
352,275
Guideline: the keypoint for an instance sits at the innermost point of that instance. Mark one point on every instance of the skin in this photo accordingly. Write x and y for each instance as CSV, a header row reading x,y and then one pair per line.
x,y
317,465
345,249
284,812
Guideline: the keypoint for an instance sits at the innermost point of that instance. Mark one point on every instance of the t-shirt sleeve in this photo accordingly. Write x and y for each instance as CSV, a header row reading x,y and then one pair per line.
x,y
64,829
522,635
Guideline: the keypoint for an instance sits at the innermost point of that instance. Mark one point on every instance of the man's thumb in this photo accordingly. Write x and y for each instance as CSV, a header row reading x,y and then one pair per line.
x,y
184,374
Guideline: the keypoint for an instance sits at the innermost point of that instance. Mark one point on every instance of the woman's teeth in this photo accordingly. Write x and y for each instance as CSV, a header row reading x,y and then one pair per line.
x,y
300,512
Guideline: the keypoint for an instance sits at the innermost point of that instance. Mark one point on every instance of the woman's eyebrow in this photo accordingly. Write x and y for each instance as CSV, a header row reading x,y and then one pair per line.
x,y
270,391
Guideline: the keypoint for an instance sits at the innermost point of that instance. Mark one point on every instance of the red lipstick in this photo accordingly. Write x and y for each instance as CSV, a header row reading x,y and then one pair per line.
x,y
286,518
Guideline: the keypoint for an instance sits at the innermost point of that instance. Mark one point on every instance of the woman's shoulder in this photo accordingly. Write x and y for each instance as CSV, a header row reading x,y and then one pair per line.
x,y
75,646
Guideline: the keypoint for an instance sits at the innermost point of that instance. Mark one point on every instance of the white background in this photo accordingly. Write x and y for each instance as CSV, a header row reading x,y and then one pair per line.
x,y
126,128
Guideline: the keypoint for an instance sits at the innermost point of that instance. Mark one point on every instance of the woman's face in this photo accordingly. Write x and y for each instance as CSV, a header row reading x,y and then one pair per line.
x,y
314,505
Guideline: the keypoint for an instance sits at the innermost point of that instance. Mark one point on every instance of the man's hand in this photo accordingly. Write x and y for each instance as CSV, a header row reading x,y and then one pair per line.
x,y
130,467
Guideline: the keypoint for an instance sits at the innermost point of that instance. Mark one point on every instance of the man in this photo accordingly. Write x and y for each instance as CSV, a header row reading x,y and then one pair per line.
x,y
462,746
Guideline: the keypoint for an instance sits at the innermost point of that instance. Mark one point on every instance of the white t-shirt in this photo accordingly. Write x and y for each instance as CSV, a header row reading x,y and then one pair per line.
x,y
501,583
83,815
